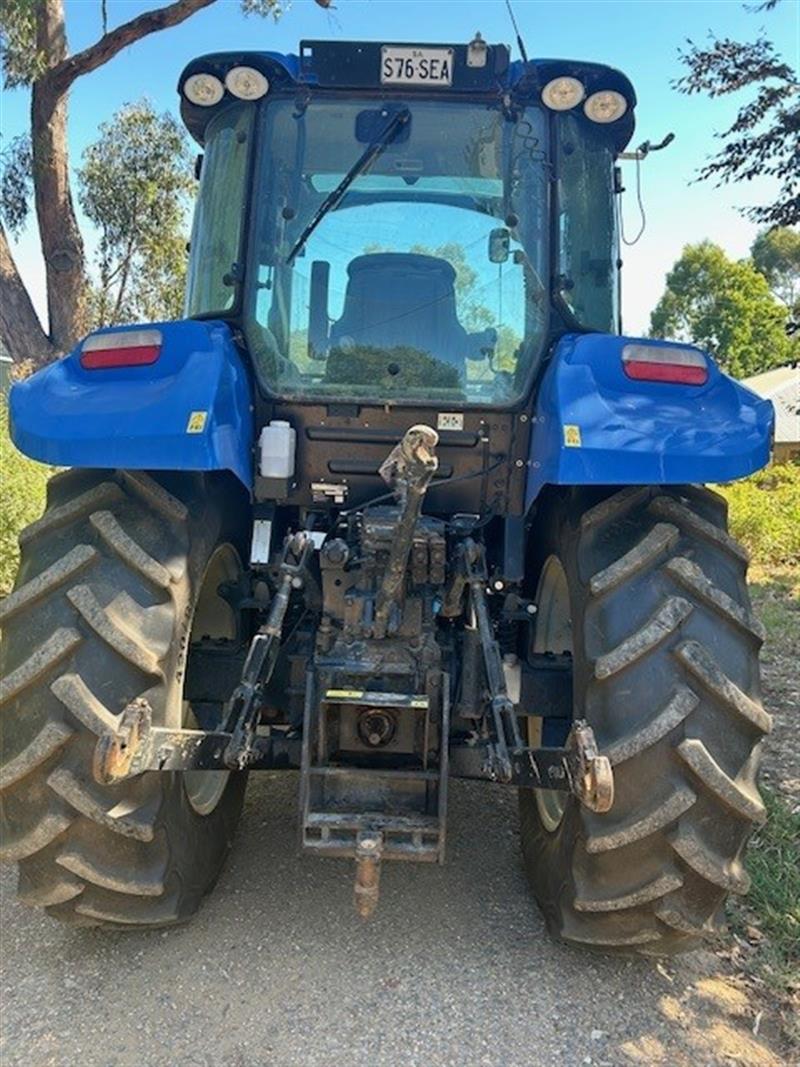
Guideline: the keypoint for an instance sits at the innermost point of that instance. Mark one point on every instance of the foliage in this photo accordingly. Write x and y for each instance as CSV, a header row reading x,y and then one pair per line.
x,y
763,514
764,138
134,186
275,8
776,255
22,61
16,182
22,492
34,43
726,308
411,367
473,315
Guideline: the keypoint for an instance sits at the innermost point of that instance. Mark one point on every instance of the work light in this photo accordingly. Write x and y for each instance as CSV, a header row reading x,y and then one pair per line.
x,y
564,93
246,83
605,106
203,89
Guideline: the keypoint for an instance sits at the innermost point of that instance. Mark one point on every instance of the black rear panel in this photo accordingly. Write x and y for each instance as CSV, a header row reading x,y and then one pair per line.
x,y
343,445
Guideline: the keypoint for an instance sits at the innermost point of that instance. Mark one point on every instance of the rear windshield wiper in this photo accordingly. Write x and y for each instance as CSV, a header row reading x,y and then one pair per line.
x,y
390,132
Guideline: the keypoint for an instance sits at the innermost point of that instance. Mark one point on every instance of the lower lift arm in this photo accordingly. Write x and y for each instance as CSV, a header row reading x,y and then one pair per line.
x,y
577,768
139,746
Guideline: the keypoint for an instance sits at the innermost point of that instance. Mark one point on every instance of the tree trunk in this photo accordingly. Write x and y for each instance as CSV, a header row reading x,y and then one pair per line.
x,y
62,245
20,330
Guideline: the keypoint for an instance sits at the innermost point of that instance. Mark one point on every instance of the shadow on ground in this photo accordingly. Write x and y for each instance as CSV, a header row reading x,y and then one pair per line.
x,y
456,968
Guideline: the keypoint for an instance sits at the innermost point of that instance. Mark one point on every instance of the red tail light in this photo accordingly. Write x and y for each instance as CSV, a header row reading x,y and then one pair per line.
x,y
125,348
665,363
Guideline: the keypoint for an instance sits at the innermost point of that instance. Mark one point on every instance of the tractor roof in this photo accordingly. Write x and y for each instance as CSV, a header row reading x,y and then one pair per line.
x,y
355,66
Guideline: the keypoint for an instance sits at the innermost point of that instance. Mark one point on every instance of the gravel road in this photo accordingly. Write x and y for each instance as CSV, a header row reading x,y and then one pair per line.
x,y
456,968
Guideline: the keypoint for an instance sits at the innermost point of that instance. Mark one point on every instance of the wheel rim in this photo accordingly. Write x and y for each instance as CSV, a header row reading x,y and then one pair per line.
x,y
553,634
214,618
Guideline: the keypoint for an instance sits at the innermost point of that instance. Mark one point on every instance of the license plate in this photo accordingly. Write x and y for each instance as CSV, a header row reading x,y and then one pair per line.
x,y
416,66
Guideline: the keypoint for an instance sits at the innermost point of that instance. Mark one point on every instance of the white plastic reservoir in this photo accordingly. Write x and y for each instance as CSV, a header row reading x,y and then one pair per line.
x,y
277,442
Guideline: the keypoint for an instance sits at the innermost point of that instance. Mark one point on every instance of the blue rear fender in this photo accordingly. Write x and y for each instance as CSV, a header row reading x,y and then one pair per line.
x,y
189,410
593,425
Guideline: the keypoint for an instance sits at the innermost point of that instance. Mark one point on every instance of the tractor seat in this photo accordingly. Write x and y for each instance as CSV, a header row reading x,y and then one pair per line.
x,y
396,299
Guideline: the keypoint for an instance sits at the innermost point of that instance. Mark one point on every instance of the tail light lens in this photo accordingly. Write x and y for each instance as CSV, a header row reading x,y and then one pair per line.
x,y
125,348
665,363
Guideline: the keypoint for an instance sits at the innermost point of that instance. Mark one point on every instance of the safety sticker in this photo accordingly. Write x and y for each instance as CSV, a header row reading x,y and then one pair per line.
x,y
450,420
197,422
572,436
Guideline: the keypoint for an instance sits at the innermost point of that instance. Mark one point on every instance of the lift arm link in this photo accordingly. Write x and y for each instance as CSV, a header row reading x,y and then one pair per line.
x,y
504,719
138,746
578,768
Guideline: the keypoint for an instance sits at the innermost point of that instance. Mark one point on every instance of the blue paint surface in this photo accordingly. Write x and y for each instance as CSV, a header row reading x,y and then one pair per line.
x,y
631,432
640,433
137,418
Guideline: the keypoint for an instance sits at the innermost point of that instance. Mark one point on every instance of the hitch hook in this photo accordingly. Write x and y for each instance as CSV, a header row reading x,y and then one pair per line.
x,y
115,753
369,846
594,778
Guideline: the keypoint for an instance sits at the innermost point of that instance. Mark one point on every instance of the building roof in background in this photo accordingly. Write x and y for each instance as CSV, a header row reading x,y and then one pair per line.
x,y
782,387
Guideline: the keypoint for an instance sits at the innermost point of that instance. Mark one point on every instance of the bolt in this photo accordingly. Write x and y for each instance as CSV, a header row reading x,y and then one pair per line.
x,y
523,418
368,843
498,584
519,463
531,609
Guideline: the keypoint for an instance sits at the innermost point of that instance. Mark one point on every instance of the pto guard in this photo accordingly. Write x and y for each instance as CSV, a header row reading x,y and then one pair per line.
x,y
595,426
189,410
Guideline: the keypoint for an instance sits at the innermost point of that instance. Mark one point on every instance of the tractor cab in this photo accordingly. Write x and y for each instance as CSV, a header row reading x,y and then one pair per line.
x,y
404,223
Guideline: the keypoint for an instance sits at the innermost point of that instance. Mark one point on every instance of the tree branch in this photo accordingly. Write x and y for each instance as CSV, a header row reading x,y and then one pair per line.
x,y
63,75
20,329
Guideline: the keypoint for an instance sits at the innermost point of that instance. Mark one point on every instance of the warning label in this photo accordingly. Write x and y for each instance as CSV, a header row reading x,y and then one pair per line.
x,y
572,436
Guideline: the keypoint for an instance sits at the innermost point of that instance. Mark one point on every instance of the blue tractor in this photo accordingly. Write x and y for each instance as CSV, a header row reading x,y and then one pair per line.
x,y
395,502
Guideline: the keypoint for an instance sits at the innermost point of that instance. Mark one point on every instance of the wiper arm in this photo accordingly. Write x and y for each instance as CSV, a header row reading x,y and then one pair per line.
x,y
365,160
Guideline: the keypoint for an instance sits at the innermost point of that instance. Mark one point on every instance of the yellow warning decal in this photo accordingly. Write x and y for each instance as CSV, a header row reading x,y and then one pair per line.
x,y
344,694
197,422
572,436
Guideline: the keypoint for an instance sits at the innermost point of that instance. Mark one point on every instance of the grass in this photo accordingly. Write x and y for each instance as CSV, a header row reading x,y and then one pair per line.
x,y
767,920
764,513
773,862
775,592
22,495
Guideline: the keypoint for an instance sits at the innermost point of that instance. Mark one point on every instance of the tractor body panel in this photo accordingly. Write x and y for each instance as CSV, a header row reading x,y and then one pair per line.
x,y
593,425
190,410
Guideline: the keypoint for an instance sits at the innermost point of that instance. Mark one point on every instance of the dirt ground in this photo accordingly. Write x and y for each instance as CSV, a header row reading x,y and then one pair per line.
x,y
455,969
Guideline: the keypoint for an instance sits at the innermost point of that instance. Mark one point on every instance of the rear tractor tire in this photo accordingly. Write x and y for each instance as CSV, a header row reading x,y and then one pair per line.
x,y
118,579
647,590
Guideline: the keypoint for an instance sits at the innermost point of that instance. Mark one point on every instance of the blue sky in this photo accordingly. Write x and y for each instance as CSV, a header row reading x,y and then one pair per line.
x,y
642,37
